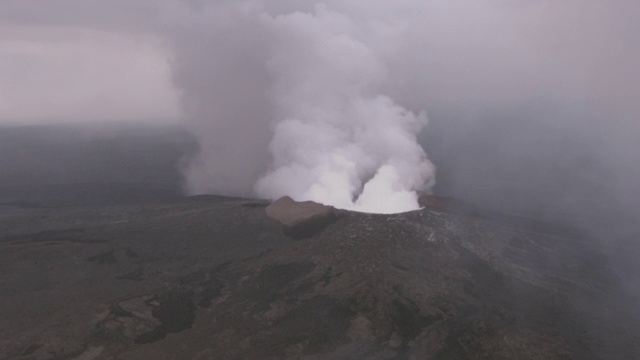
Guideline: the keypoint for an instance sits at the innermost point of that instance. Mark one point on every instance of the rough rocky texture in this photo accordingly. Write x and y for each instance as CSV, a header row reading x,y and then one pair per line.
x,y
213,278
301,219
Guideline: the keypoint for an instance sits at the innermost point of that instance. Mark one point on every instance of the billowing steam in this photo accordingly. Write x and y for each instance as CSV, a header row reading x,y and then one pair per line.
x,y
317,122
324,102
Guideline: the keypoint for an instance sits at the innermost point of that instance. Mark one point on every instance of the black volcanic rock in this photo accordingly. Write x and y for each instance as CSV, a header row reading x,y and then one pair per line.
x,y
216,278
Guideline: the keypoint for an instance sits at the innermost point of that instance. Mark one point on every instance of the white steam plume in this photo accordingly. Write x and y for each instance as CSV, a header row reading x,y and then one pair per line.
x,y
313,84
337,139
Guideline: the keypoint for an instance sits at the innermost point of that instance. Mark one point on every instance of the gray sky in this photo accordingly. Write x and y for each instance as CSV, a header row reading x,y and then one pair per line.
x,y
98,59
544,67
81,61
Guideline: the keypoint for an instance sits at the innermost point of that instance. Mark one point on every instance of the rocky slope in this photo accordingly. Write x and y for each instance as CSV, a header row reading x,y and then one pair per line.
x,y
216,278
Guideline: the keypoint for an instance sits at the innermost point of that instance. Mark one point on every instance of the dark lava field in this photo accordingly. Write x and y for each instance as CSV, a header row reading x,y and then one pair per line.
x,y
132,270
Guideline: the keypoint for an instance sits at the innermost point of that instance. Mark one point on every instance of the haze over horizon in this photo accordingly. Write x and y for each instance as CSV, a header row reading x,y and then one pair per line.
x,y
531,94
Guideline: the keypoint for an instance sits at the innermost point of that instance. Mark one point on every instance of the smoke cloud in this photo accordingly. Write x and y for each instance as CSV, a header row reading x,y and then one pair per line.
x,y
324,101
306,93
533,105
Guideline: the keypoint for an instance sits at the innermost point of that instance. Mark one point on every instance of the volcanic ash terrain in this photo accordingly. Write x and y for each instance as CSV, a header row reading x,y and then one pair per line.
x,y
218,278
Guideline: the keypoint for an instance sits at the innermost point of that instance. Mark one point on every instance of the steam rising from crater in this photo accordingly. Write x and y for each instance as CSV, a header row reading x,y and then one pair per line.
x,y
314,122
